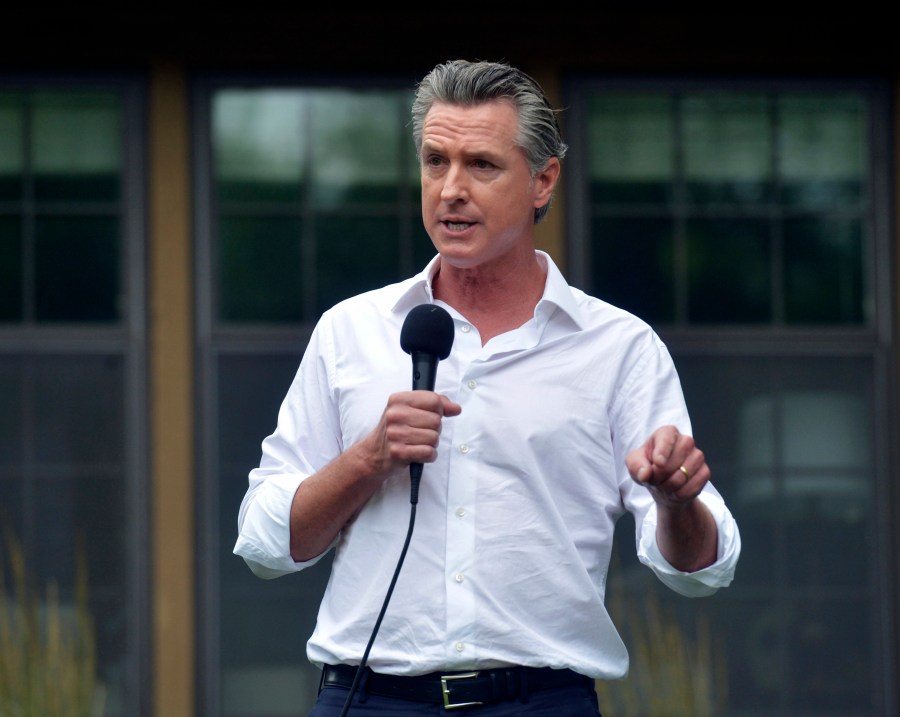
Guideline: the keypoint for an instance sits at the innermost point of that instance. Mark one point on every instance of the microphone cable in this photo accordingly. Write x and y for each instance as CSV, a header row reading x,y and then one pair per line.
x,y
414,499
427,335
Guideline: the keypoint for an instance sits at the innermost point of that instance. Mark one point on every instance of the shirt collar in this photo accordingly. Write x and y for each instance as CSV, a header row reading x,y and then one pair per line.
x,y
557,292
417,289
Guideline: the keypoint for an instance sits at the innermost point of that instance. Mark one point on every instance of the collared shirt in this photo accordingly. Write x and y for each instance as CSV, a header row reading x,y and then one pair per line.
x,y
514,525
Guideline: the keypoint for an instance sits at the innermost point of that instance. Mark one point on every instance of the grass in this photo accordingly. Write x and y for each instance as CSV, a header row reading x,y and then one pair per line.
x,y
676,669
47,650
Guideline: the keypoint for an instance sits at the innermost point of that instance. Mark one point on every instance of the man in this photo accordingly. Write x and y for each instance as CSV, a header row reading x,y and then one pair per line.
x,y
553,414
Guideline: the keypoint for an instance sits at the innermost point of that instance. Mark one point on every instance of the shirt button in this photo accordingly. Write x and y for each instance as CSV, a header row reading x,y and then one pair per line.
x,y
465,328
459,577
460,512
460,646
463,448
471,383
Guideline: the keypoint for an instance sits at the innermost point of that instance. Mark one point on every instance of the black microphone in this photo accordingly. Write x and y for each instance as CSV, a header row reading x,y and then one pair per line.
x,y
427,336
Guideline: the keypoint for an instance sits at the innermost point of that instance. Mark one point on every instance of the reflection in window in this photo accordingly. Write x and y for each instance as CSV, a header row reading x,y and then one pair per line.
x,y
68,363
741,225
317,198
77,145
823,150
767,198
314,196
631,143
60,188
727,149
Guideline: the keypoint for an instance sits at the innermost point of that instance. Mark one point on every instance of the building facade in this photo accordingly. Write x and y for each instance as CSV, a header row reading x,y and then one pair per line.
x,y
180,200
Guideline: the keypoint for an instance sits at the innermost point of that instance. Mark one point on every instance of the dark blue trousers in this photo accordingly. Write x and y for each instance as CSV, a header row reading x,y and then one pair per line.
x,y
562,702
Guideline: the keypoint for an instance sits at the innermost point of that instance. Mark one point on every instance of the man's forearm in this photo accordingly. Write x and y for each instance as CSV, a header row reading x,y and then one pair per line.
x,y
687,535
326,501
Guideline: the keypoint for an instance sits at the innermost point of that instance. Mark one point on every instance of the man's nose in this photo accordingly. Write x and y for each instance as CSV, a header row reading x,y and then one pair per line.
x,y
455,185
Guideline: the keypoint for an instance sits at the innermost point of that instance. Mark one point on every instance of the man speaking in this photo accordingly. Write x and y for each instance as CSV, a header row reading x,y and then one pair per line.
x,y
552,414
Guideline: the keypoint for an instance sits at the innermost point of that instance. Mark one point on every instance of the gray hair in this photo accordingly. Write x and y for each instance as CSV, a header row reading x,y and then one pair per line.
x,y
460,82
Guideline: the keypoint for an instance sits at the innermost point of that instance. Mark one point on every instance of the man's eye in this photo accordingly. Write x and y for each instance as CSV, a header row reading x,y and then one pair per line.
x,y
433,161
483,164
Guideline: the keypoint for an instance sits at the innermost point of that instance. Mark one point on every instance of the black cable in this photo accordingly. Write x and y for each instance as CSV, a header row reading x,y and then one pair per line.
x,y
387,598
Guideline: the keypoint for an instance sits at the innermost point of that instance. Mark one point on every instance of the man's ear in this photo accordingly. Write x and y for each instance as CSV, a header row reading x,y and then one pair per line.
x,y
545,182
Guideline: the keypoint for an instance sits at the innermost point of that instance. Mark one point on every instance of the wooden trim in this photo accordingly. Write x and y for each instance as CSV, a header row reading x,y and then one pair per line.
x,y
550,233
171,395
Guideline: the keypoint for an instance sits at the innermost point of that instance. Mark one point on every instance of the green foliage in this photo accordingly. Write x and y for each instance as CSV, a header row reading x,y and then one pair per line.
x,y
47,651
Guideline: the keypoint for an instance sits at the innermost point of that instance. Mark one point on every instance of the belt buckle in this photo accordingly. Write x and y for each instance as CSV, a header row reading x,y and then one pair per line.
x,y
445,690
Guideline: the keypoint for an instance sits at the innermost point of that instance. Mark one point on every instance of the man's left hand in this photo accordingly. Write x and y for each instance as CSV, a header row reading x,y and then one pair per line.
x,y
670,465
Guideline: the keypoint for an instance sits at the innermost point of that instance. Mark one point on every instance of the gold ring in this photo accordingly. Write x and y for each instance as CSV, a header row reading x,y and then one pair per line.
x,y
684,470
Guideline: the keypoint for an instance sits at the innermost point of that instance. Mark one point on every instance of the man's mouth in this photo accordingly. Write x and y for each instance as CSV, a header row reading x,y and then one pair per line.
x,y
457,226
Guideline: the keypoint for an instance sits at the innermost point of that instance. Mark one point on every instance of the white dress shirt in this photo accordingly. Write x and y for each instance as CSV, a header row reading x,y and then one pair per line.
x,y
514,526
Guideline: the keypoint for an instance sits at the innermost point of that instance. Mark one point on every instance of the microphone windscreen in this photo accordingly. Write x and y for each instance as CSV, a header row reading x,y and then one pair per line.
x,y
428,329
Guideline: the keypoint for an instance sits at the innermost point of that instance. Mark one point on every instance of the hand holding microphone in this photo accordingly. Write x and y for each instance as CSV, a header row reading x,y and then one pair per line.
x,y
427,336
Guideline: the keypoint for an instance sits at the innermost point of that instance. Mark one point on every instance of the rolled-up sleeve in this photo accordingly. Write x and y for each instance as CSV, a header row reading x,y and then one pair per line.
x,y
701,582
306,438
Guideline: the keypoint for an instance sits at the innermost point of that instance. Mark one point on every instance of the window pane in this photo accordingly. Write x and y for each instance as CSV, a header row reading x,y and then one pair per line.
x,y
11,412
259,675
259,145
772,225
632,148
791,445
423,248
77,145
10,269
780,179
356,148
823,150
303,156
70,451
354,254
728,271
623,245
261,269
62,488
413,172
828,644
727,148
12,146
77,269
823,271
75,401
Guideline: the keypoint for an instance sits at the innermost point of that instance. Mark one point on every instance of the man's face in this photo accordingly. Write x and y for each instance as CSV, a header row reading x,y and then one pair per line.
x,y
478,195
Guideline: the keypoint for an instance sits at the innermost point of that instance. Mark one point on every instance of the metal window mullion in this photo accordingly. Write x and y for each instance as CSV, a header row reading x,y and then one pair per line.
x,y
29,223
404,189
137,452
30,447
307,236
777,292
679,213
784,594
207,210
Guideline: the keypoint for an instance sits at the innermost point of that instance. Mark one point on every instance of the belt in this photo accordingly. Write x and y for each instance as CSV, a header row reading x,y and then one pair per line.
x,y
456,689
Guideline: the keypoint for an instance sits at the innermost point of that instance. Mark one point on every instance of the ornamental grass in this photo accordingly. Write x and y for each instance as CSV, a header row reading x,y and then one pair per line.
x,y
677,666
47,649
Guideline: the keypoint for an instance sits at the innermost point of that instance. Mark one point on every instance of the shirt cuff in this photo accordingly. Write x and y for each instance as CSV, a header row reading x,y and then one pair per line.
x,y
264,535
705,581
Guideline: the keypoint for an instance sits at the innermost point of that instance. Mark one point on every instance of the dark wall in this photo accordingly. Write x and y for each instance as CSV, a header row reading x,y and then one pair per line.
x,y
391,41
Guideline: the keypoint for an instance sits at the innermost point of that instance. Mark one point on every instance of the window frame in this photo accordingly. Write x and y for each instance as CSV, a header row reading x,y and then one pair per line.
x,y
126,338
875,339
215,339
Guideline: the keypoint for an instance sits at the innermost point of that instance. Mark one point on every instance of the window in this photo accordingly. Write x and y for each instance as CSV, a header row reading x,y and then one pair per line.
x,y
747,225
307,195
72,427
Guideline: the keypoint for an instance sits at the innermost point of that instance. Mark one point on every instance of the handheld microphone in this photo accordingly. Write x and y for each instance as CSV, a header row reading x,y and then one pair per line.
x,y
427,336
